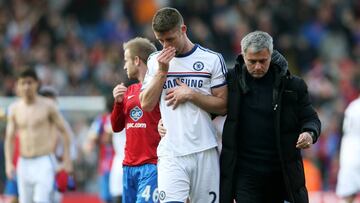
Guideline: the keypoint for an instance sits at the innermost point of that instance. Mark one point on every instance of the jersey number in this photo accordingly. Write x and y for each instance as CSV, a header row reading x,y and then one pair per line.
x,y
214,196
146,194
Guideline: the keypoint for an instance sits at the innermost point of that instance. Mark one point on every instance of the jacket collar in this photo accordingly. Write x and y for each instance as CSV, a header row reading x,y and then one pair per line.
x,y
278,62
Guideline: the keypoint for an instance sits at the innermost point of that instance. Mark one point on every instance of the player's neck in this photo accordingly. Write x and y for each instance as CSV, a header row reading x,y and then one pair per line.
x,y
30,99
188,46
142,72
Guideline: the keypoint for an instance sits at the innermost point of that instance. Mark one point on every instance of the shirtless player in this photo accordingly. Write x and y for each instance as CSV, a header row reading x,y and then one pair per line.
x,y
37,120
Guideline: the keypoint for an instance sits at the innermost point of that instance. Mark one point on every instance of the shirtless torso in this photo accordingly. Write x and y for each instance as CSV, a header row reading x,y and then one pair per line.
x,y
35,124
37,121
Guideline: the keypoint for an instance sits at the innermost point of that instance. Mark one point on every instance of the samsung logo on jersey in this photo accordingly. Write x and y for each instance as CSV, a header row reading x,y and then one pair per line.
x,y
196,83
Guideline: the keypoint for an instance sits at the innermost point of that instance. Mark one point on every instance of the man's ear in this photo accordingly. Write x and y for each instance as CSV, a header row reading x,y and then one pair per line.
x,y
183,28
137,60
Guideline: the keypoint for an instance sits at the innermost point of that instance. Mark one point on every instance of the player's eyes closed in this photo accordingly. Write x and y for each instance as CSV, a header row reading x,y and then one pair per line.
x,y
262,61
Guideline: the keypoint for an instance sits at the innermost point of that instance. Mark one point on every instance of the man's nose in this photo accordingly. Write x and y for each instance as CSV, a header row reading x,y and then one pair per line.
x,y
258,65
27,86
166,45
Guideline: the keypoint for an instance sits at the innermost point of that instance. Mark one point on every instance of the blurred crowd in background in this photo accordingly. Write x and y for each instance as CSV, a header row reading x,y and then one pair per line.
x,y
76,47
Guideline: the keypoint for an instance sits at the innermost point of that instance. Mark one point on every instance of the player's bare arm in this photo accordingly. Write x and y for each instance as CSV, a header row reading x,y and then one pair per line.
x,y
215,103
150,96
59,122
118,92
9,144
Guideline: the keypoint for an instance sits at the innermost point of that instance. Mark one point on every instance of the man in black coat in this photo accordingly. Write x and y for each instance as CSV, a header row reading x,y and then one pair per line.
x,y
270,119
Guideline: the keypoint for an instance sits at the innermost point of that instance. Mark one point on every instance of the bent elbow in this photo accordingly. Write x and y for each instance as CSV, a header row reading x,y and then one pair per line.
x,y
145,105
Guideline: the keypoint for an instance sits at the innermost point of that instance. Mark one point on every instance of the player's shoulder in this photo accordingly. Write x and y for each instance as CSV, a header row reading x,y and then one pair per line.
x,y
212,57
153,55
152,61
14,106
45,100
134,87
209,52
48,103
354,106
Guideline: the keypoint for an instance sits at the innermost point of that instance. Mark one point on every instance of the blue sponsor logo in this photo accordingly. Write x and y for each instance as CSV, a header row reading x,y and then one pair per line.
x,y
189,82
136,113
198,66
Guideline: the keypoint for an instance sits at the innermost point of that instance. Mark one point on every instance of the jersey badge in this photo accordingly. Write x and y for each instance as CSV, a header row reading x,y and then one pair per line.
x,y
136,113
198,66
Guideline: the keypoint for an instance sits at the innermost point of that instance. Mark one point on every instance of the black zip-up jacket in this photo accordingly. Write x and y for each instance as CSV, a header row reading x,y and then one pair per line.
x,y
293,114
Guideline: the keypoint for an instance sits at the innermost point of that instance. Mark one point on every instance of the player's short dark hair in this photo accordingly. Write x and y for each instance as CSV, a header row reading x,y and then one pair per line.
x,y
28,72
166,19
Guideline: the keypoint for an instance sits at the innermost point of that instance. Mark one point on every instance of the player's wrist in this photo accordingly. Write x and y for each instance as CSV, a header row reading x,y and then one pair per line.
x,y
163,67
161,73
191,95
118,100
312,135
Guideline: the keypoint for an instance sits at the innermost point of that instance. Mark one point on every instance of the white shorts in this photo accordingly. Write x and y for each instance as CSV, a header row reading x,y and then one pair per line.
x,y
116,173
116,177
195,176
36,178
348,182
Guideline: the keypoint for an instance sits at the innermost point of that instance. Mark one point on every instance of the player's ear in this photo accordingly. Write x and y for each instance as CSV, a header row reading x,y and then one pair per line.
x,y
137,60
183,28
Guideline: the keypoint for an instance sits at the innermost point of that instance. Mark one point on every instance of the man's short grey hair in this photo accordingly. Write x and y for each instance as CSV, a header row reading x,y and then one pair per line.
x,y
257,41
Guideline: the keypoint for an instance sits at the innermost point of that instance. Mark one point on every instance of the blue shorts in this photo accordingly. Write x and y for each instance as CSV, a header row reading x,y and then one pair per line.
x,y
11,188
104,180
140,184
